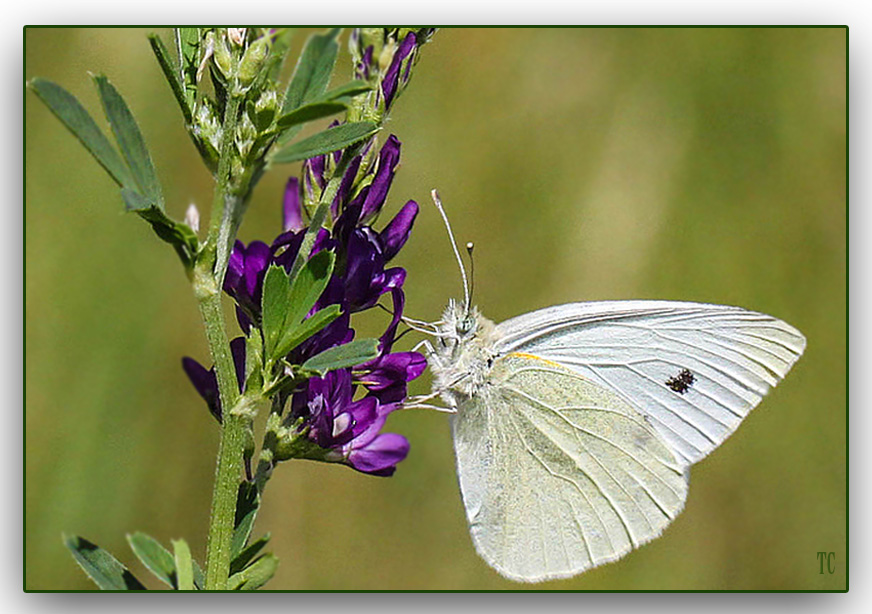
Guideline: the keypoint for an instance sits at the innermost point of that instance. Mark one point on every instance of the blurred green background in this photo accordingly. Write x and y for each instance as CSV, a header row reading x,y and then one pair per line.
x,y
688,164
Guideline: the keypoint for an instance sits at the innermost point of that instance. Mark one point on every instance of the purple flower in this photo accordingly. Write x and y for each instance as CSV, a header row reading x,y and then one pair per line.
x,y
292,211
206,382
392,75
386,376
245,271
340,415
348,431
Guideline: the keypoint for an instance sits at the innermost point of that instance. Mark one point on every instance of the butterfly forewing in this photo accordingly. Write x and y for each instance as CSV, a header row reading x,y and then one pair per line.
x,y
694,370
558,473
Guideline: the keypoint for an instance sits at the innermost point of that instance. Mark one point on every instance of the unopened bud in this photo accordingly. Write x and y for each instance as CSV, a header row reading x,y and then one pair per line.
x,y
192,218
264,110
222,57
236,36
253,60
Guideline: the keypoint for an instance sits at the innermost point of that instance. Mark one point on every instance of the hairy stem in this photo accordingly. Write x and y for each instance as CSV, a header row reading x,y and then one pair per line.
x,y
207,287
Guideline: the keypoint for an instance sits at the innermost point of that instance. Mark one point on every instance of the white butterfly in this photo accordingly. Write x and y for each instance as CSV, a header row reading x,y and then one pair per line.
x,y
575,426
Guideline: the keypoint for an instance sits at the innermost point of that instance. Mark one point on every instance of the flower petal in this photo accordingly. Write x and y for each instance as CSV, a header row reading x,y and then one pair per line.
x,y
205,383
388,159
382,453
292,211
391,78
396,233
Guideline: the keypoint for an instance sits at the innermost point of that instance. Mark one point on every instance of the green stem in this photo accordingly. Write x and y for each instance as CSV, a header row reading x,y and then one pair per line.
x,y
229,466
208,277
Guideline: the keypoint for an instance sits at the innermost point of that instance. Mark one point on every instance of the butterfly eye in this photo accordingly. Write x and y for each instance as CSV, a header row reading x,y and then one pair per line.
x,y
465,325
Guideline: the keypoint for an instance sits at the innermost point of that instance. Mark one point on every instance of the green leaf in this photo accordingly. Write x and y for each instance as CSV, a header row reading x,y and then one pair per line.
x,y
73,115
337,137
285,303
199,576
243,558
253,360
342,356
274,302
130,141
178,234
184,565
103,568
247,504
278,52
348,90
334,101
154,556
310,112
188,48
309,326
172,77
255,575
307,287
313,70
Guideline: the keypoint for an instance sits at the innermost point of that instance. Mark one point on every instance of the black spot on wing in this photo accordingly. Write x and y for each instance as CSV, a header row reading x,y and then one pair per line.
x,y
682,382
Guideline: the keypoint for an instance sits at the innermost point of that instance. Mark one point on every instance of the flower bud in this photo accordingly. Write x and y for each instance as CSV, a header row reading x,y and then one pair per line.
x,y
223,58
236,36
264,110
253,61
192,218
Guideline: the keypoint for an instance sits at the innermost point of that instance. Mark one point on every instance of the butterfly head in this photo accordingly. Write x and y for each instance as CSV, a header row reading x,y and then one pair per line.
x,y
464,352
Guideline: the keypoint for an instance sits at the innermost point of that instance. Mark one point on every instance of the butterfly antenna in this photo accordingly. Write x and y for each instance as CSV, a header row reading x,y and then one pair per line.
x,y
438,203
469,247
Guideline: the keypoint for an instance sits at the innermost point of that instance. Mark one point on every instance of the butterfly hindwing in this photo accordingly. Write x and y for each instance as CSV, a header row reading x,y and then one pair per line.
x,y
558,473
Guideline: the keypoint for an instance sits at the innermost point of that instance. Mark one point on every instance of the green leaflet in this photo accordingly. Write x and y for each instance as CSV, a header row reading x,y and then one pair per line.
x,y
188,49
155,557
285,303
307,328
255,575
103,568
171,75
334,101
313,70
342,356
310,112
184,565
73,115
247,504
241,560
332,139
133,170
130,142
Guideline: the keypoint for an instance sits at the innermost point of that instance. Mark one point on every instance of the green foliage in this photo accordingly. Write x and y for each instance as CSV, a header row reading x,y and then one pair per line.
x,y
332,139
342,356
184,565
133,170
172,76
155,557
285,304
73,115
255,575
247,504
131,143
242,559
313,70
103,568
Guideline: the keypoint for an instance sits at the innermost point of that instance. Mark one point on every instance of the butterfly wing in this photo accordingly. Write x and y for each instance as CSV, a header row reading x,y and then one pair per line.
x,y
559,474
694,370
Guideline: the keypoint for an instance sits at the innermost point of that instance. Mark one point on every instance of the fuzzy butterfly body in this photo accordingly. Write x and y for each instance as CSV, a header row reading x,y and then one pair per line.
x,y
576,425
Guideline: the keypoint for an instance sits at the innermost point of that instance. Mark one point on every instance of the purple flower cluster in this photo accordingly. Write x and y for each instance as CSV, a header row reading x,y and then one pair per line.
x,y
324,409
398,71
